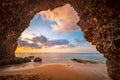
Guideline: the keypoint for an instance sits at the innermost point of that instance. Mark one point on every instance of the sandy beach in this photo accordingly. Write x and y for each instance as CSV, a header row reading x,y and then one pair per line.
x,y
65,71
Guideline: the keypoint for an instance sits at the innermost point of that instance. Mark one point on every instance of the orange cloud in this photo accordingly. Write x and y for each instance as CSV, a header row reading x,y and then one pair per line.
x,y
66,18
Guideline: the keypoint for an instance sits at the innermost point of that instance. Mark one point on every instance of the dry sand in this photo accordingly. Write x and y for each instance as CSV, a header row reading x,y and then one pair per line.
x,y
66,71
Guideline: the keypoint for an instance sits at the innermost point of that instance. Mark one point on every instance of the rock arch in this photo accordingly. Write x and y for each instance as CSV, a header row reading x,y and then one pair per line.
x,y
99,20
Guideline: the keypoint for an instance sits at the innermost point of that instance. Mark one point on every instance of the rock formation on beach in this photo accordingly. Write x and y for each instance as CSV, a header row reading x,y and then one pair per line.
x,y
99,21
16,60
84,61
37,59
22,77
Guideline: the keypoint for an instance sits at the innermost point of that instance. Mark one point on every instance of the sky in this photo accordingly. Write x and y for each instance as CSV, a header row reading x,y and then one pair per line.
x,y
55,31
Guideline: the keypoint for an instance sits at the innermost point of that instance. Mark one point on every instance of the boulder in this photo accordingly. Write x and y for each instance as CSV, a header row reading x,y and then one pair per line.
x,y
17,60
31,57
37,59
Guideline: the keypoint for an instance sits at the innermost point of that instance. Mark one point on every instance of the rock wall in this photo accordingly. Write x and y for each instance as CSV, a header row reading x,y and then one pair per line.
x,y
99,20
15,17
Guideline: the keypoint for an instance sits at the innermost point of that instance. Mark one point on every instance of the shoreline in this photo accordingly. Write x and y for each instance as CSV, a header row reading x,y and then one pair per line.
x,y
65,71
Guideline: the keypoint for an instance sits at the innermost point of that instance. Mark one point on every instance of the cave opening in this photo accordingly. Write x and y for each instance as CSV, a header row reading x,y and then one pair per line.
x,y
55,31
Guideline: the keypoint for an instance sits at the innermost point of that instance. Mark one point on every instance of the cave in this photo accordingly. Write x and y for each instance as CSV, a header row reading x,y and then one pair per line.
x,y
99,21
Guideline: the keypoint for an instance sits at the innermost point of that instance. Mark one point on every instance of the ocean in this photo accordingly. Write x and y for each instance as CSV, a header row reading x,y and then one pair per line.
x,y
51,58
64,57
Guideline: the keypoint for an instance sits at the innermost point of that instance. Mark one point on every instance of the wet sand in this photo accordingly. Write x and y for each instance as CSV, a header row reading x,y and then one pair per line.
x,y
65,71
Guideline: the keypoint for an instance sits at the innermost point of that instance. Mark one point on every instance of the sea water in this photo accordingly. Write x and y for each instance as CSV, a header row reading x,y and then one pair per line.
x,y
64,57
51,58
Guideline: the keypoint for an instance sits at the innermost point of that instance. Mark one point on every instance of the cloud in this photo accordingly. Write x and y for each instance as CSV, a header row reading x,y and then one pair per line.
x,y
57,42
82,43
41,39
63,46
34,45
66,18
43,42
79,41
23,43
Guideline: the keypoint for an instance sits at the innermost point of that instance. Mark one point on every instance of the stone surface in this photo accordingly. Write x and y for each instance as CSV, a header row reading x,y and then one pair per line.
x,y
37,59
16,60
23,77
99,21
84,61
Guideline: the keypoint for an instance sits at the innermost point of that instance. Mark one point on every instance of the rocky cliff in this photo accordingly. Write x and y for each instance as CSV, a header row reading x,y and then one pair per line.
x,y
99,20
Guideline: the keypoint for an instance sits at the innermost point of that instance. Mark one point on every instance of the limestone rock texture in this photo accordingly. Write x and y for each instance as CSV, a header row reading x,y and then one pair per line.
x,y
99,21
